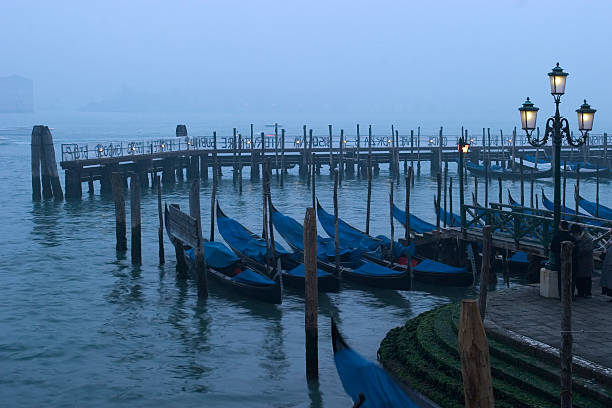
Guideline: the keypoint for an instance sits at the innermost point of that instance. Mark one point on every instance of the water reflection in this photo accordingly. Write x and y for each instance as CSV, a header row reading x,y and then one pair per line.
x,y
46,217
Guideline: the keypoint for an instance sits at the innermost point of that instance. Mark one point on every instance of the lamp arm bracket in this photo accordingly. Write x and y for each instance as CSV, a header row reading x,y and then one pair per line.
x,y
568,135
537,142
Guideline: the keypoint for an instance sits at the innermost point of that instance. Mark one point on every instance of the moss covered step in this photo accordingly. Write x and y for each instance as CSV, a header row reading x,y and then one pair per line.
x,y
423,353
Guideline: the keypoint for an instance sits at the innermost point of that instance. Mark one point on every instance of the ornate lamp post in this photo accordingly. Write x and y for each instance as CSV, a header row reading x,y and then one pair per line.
x,y
463,146
557,127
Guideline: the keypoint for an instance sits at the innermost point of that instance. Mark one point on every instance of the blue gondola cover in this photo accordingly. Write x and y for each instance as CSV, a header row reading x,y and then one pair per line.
x,y
301,272
251,277
359,375
431,266
349,235
372,269
416,224
216,254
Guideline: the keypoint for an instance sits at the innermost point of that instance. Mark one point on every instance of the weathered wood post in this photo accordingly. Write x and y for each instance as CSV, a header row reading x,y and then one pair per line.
x,y
341,157
359,166
369,200
484,271
213,198
266,233
160,230
513,147
522,184
564,181
283,162
444,192
411,149
135,221
331,152
120,225
475,190
391,221
36,155
565,352
308,157
314,189
216,168
577,187
605,150
500,190
311,294
437,201
200,262
391,144
336,239
407,209
276,164
204,166
51,187
450,203
234,158
419,151
240,163
369,151
252,146
474,353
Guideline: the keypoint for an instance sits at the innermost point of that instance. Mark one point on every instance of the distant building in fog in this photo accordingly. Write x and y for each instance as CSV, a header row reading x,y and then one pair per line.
x,y
16,94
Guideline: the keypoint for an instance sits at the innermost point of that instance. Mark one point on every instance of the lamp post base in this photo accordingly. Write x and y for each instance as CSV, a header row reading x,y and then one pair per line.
x,y
549,283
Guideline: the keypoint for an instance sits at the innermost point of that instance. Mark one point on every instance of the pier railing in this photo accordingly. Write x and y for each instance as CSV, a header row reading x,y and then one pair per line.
x,y
96,150
532,225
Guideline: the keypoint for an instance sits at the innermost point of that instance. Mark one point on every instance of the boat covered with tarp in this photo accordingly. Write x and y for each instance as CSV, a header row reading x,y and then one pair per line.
x,y
416,224
253,249
596,210
495,171
224,267
571,168
367,383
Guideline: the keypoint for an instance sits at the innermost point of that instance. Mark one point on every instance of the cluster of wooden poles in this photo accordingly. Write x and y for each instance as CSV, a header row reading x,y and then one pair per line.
x,y
44,167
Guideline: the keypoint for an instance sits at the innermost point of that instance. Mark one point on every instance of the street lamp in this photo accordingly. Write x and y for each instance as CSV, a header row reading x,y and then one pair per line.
x,y
463,146
557,127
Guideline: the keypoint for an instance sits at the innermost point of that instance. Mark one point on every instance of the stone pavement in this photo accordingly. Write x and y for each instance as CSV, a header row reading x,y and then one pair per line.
x,y
523,311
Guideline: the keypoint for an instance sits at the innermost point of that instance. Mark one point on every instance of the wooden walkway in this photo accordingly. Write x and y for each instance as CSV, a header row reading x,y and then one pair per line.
x,y
535,321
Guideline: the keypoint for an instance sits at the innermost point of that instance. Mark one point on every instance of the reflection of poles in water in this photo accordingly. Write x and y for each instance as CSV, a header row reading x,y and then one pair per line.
x,y
315,395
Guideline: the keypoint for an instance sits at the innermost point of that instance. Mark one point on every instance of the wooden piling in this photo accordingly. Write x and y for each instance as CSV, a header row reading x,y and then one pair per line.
x,y
276,164
240,163
120,225
513,147
51,187
369,151
36,156
311,294
331,152
213,198
449,215
444,191
313,186
532,186
419,151
391,222
266,232
475,190
484,271
283,162
341,158
135,221
564,181
369,200
501,190
204,166
577,188
522,184
200,261
565,351
359,167
437,201
252,147
336,240
234,158
475,362
407,209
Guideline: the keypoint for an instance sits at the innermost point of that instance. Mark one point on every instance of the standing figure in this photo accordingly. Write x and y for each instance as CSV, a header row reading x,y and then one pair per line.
x,y
606,271
583,261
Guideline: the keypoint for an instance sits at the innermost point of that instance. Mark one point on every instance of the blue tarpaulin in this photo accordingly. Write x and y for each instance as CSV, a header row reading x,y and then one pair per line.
x,y
252,277
244,241
431,266
370,268
416,224
348,235
293,232
519,257
301,272
359,375
217,255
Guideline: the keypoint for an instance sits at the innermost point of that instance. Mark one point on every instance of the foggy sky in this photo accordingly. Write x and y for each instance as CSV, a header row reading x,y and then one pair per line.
x,y
451,61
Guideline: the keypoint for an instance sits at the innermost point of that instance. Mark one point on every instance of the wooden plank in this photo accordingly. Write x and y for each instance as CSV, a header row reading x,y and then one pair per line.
x,y
182,226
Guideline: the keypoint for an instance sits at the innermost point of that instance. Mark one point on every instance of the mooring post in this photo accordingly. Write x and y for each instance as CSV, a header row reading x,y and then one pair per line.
x,y
407,209
357,152
336,239
437,201
331,152
51,187
234,158
444,192
216,168
522,184
411,149
391,143
314,190
135,221
605,149
484,271
265,180
119,199
160,230
418,151
252,147
311,294
213,198
369,200
276,164
283,162
450,215
391,221
200,261
36,156
513,147
565,352
474,353
240,163
204,166
577,188
475,190
341,158
564,183
369,174
532,186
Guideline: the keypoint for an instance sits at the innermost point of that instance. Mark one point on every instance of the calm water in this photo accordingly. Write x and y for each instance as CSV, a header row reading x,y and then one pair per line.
x,y
81,326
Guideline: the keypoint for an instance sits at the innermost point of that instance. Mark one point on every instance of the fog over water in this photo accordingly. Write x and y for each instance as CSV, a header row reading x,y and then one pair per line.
x,y
440,63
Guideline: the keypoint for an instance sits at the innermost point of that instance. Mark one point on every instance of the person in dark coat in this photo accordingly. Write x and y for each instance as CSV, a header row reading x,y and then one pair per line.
x,y
606,271
555,247
583,264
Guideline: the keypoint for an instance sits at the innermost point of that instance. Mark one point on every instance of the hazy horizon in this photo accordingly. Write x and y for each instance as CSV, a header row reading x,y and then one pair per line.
x,y
473,62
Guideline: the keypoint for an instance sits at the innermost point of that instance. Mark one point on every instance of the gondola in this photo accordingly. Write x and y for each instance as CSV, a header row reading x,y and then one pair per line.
x,y
224,267
596,210
550,206
252,249
567,212
518,262
352,268
425,270
498,171
366,382
571,169
417,225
